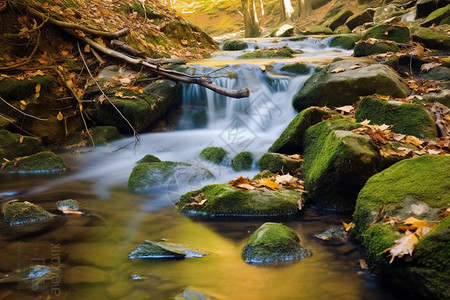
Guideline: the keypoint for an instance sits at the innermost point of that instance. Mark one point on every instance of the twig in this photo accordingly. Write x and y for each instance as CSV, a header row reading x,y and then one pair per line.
x,y
3,6
75,26
17,126
135,134
28,58
23,113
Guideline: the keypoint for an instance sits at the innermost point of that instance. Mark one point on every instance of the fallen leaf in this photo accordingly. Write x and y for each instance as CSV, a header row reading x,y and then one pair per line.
x,y
59,117
414,222
23,105
268,183
365,122
338,70
445,213
422,231
392,221
87,48
184,42
348,226
382,97
414,140
296,157
429,66
280,179
346,109
21,139
402,246
363,264
37,88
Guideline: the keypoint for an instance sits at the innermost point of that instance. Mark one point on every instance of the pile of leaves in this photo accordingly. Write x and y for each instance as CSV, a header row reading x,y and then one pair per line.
x,y
274,182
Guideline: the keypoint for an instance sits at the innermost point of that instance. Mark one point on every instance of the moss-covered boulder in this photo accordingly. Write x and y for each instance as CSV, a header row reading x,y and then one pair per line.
x,y
24,213
337,163
297,68
418,188
283,52
213,154
435,38
345,41
225,200
158,250
102,135
440,16
234,45
340,19
406,118
68,204
426,7
149,158
437,73
278,163
318,29
273,243
291,140
42,162
369,47
146,176
140,109
337,84
242,161
14,145
396,33
359,19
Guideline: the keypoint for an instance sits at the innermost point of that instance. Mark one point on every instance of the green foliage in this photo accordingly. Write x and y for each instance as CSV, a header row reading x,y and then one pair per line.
x,y
297,68
213,154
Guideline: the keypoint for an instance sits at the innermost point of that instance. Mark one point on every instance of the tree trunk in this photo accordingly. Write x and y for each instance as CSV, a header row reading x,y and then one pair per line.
x,y
304,8
251,27
283,11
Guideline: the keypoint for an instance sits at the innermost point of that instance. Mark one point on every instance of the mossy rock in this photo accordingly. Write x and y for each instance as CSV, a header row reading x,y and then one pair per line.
x,y
283,31
242,161
406,118
328,88
345,41
442,96
396,33
146,176
439,16
297,68
68,204
365,48
283,52
234,45
319,29
360,19
158,250
104,134
337,163
149,158
24,213
42,162
437,73
426,7
213,154
291,140
16,90
417,188
225,200
278,163
273,243
340,19
11,146
435,38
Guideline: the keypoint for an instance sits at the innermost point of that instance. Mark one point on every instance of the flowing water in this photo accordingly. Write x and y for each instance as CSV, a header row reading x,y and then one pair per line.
x,y
89,253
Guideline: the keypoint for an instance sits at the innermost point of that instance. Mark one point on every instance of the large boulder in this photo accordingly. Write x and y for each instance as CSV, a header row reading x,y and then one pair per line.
x,y
14,145
406,118
357,20
339,84
278,163
273,243
340,19
435,38
42,162
396,33
291,140
226,200
148,175
337,163
369,47
426,7
439,17
345,41
418,188
234,45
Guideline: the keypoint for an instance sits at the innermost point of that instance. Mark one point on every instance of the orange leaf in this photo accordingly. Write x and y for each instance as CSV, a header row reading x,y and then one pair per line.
x,y
59,117
37,88
338,70
21,139
268,183
348,226
414,140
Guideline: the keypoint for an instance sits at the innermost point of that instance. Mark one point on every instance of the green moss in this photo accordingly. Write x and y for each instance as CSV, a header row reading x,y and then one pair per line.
x,y
150,13
283,52
242,161
423,179
410,119
368,48
435,38
42,162
155,250
340,18
396,33
104,134
273,242
291,140
345,41
11,90
234,45
376,239
213,154
11,147
319,29
297,68
278,163
68,203
24,213
337,59
263,174
148,159
224,200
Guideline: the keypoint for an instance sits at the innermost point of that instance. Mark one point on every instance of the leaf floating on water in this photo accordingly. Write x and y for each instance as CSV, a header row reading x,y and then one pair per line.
x,y
404,245
348,226
363,264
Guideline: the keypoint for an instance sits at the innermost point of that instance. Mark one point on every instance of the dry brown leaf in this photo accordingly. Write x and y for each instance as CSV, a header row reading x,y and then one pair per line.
x,y
296,157
365,122
422,231
383,97
284,179
59,117
346,109
338,70
414,140
392,221
363,264
21,139
402,246
429,66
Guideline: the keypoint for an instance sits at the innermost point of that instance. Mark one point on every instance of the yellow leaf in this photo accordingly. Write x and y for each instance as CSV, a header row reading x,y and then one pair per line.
x,y
338,70
80,106
348,226
59,117
37,95
37,88
87,48
21,139
7,160
23,105
413,222
64,53
414,140
268,183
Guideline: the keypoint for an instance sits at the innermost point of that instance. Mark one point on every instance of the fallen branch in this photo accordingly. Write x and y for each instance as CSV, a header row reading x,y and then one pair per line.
x,y
23,113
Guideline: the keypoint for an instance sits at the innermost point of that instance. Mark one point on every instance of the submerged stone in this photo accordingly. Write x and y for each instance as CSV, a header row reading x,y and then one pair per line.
x,y
213,154
156,174
36,274
70,204
152,249
337,84
419,188
225,200
24,213
273,243
332,233
406,118
191,294
42,162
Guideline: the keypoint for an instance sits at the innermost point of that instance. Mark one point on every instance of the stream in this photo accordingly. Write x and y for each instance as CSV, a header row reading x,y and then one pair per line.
x,y
90,252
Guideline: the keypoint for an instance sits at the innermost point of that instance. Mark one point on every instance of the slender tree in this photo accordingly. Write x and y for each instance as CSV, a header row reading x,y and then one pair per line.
x,y
304,8
251,26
